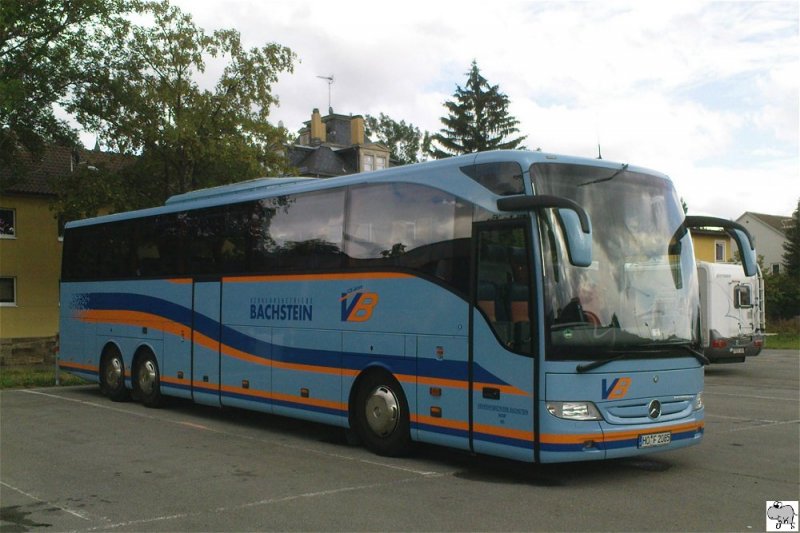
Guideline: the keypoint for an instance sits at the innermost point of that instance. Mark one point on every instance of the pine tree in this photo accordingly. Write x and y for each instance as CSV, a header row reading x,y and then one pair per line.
x,y
791,248
477,120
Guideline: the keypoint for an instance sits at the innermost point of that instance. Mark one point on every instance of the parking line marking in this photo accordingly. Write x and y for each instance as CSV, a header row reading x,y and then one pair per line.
x,y
191,425
51,504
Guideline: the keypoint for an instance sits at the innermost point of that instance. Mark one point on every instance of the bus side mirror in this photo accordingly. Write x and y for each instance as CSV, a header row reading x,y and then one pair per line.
x,y
579,243
739,234
572,217
746,251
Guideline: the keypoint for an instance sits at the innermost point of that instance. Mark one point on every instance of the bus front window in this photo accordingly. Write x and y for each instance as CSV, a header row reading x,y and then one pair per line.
x,y
638,294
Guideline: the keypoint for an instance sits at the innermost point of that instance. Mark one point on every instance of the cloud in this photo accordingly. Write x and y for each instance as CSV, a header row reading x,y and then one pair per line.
x,y
704,91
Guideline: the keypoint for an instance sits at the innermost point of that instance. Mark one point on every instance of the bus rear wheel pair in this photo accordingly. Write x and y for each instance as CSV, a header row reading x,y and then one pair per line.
x,y
146,377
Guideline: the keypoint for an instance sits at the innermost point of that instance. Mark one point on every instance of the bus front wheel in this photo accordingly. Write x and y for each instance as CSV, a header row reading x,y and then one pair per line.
x,y
112,375
381,415
147,380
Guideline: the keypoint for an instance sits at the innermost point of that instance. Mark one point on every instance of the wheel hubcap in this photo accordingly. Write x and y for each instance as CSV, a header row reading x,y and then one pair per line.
x,y
383,411
114,372
147,377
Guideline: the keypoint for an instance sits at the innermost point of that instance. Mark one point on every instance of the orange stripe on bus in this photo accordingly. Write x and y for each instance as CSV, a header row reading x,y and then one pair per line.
x,y
77,366
174,381
316,402
317,277
609,436
440,422
134,318
623,435
507,389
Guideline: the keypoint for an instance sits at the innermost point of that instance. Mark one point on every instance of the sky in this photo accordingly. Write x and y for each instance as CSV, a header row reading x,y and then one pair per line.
x,y
705,92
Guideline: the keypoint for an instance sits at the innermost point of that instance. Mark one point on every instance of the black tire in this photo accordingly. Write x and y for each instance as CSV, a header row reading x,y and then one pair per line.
x,y
112,375
147,380
381,417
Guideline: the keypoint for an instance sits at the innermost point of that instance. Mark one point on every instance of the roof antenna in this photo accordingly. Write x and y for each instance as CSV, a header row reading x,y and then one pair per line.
x,y
599,153
329,79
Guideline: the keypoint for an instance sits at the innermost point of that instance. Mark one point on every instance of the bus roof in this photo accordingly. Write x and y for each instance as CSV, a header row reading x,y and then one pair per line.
x,y
448,177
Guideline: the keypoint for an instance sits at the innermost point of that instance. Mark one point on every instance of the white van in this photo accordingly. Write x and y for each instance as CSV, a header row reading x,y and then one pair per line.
x,y
731,312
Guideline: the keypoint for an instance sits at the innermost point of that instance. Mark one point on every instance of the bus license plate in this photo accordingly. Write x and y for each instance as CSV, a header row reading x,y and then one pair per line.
x,y
655,439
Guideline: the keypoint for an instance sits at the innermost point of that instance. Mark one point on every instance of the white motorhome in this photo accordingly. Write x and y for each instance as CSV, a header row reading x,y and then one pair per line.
x,y
732,319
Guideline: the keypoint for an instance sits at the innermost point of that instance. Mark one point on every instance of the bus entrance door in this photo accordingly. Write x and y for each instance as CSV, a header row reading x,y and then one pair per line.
x,y
206,342
502,375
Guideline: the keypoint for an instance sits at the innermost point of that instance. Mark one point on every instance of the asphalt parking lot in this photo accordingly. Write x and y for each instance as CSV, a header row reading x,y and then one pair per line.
x,y
71,460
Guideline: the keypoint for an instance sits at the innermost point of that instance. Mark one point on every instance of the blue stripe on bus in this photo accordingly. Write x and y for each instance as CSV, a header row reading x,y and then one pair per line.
x,y
423,367
507,441
454,432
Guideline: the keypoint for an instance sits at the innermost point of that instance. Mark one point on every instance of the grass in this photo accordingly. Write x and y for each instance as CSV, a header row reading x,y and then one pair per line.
x,y
786,334
15,377
783,341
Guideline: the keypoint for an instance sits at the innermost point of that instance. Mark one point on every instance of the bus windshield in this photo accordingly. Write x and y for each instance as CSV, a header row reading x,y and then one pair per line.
x,y
638,295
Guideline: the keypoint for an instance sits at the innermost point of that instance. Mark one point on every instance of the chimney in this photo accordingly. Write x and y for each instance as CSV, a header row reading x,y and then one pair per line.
x,y
317,127
357,130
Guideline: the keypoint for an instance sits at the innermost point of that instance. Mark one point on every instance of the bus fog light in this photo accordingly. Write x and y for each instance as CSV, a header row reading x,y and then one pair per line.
x,y
698,401
574,410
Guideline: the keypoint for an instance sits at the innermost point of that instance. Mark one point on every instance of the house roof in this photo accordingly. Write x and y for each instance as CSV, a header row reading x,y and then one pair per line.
x,y
774,221
319,161
57,161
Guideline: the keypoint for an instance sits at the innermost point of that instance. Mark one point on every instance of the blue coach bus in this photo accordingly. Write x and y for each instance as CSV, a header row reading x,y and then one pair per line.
x,y
517,304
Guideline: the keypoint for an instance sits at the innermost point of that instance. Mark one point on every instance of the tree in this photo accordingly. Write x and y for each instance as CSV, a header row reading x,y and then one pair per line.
x,y
45,48
782,290
144,98
791,248
403,140
478,120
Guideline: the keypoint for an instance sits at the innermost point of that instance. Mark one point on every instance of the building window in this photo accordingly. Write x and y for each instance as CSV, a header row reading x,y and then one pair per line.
x,y
380,163
8,223
369,163
8,292
719,251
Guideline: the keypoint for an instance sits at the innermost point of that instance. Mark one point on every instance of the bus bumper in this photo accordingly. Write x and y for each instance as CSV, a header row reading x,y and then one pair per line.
x,y
586,441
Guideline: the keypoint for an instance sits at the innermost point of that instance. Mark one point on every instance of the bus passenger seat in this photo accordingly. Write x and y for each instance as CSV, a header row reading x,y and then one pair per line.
x,y
520,317
519,303
487,299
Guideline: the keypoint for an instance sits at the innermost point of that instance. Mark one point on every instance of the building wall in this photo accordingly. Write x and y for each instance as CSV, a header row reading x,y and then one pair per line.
x,y
705,246
768,241
33,257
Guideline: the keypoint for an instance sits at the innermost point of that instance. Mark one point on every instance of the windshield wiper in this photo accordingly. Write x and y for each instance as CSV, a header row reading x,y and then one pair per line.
x,y
585,367
697,355
611,177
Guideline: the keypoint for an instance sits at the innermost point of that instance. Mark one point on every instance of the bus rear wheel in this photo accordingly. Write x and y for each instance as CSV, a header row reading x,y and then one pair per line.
x,y
381,415
147,382
112,375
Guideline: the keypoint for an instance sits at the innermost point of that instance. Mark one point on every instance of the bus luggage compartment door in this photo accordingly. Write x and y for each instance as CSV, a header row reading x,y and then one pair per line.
x,y
206,329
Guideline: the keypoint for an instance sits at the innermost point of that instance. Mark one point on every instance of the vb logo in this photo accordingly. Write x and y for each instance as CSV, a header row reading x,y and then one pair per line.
x,y
617,390
357,306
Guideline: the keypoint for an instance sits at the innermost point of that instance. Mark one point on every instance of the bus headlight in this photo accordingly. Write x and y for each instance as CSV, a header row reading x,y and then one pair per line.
x,y
574,410
698,401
